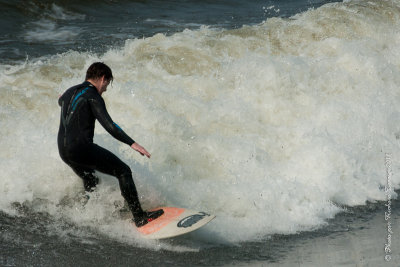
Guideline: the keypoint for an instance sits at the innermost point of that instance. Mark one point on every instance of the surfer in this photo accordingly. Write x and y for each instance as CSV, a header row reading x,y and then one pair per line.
x,y
81,105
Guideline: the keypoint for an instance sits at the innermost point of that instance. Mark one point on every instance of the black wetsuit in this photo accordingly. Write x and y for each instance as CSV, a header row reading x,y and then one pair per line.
x,y
81,105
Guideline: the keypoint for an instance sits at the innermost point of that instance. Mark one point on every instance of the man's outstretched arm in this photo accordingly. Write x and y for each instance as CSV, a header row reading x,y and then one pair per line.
x,y
101,114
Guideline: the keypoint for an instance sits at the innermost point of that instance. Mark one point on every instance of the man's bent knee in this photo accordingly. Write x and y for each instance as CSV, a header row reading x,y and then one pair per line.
x,y
123,171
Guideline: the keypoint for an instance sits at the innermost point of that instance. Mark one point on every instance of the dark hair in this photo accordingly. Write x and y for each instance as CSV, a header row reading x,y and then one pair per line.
x,y
98,70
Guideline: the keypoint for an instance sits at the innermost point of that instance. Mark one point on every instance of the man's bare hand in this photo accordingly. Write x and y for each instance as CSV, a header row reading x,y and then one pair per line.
x,y
140,149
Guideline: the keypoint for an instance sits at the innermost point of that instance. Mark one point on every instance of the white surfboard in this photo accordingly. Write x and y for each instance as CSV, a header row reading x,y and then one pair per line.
x,y
174,222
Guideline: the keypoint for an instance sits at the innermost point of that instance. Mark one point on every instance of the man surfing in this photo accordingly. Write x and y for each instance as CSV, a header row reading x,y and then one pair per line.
x,y
81,105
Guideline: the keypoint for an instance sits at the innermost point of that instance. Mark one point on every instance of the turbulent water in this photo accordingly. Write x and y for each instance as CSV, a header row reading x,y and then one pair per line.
x,y
273,116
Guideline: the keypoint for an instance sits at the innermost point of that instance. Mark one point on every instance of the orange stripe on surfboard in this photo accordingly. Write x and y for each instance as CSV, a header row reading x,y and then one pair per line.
x,y
170,213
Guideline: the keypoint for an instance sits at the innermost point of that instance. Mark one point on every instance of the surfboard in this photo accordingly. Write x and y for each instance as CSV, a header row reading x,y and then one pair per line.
x,y
175,222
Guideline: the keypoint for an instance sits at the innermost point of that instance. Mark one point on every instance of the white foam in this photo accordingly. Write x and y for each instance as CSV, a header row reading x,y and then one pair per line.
x,y
272,127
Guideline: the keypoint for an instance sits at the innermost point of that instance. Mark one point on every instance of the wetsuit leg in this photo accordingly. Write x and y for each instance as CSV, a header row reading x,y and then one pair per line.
x,y
94,157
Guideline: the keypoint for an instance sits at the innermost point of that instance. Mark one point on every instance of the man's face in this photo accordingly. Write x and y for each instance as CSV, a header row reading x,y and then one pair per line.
x,y
103,85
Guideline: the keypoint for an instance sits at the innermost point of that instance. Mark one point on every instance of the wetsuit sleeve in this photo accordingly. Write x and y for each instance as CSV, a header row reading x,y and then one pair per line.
x,y
100,112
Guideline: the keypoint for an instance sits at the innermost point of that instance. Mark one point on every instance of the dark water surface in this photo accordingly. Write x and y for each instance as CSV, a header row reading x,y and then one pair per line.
x,y
353,238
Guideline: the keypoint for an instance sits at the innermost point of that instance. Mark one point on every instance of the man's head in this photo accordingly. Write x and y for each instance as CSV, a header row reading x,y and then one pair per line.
x,y
100,75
